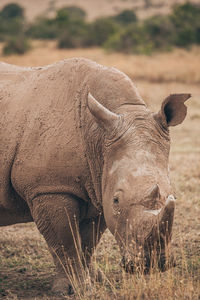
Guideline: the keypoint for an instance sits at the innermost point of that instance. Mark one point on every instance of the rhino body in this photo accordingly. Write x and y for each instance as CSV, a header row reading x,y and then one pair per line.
x,y
80,151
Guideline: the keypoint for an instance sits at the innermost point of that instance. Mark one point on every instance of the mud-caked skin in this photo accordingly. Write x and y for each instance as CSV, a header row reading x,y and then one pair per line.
x,y
80,152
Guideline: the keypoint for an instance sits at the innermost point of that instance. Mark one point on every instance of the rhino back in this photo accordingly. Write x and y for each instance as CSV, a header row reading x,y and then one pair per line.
x,y
44,119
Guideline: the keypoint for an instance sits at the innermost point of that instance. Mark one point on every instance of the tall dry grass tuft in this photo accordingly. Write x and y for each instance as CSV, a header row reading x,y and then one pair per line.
x,y
173,284
105,280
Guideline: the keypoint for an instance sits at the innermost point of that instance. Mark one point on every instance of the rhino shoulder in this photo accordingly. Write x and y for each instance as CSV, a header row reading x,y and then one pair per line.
x,y
12,74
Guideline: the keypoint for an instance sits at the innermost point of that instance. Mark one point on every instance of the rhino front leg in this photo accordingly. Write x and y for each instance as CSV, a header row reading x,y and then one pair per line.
x,y
91,231
56,216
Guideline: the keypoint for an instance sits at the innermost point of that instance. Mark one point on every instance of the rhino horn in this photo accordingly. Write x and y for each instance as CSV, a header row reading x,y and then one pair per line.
x,y
103,116
166,220
168,209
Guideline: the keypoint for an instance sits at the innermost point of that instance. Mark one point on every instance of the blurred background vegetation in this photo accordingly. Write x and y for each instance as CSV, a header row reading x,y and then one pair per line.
x,y
124,32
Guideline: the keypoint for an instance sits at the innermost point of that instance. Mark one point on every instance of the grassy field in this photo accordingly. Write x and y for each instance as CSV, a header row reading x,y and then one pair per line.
x,y
26,268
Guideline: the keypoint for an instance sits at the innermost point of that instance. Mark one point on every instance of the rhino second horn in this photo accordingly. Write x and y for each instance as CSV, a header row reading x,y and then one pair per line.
x,y
169,205
154,192
104,117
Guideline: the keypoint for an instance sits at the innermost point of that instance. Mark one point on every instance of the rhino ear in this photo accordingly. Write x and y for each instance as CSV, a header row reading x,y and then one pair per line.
x,y
103,116
173,110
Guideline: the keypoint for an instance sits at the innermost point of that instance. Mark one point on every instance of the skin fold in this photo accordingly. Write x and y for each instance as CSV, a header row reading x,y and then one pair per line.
x,y
81,152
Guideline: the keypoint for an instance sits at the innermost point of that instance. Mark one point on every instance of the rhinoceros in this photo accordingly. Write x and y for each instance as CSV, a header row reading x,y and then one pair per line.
x,y
81,152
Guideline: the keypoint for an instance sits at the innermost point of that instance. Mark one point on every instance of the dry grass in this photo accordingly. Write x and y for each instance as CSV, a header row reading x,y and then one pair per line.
x,y
26,268
177,66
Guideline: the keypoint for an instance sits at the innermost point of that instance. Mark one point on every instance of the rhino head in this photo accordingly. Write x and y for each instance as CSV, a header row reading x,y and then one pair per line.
x,y
137,197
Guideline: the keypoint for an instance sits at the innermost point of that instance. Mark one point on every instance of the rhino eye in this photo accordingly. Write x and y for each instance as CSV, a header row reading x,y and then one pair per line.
x,y
116,200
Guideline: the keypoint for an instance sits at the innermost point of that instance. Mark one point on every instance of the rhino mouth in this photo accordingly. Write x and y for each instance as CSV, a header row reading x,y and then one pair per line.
x,y
136,265
155,253
146,265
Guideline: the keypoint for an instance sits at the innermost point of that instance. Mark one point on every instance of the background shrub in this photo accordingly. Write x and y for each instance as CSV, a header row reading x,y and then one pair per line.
x,y
160,31
73,30
75,12
186,19
12,21
16,45
133,39
122,32
12,11
126,17
101,30
76,35
181,28
43,28
68,27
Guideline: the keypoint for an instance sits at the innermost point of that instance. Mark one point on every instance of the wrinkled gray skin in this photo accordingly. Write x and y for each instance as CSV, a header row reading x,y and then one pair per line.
x,y
80,151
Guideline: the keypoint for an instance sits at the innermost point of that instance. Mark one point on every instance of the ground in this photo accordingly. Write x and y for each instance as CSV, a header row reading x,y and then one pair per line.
x,y
26,268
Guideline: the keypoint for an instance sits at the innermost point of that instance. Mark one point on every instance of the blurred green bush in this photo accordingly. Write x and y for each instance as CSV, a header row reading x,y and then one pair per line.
x,y
127,16
68,27
43,28
73,30
101,30
12,30
132,39
12,21
12,11
186,20
16,45
181,28
122,32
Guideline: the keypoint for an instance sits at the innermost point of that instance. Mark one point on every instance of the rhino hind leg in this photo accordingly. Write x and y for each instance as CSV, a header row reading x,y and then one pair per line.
x,y
56,216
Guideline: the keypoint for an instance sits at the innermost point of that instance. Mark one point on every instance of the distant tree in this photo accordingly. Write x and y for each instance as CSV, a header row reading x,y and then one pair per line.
x,y
132,39
102,29
43,28
161,31
186,19
62,17
74,38
76,12
12,21
11,11
73,30
16,45
126,16
69,14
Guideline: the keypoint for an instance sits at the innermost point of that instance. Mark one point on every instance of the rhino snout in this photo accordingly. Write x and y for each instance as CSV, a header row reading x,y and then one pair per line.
x,y
136,264
143,264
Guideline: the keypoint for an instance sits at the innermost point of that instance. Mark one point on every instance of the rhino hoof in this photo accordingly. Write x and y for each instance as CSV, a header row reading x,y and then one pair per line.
x,y
62,286
165,265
